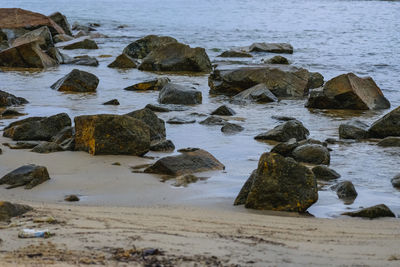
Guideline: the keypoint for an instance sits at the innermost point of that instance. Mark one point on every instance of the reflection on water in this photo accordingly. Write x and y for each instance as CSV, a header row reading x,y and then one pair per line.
x,y
331,37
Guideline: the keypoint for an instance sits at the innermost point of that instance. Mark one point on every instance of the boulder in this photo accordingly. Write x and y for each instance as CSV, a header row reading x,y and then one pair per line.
x,y
177,57
180,120
61,21
78,43
348,91
281,80
230,128
258,93
111,134
189,161
81,60
390,142
345,190
213,120
64,134
155,124
37,128
312,153
372,212
282,48
280,184
315,80
11,113
223,111
77,81
27,175
156,85
178,94
156,108
7,99
324,173
123,61
62,38
162,146
113,102
234,53
47,147
42,36
285,132
286,149
277,60
388,125
353,130
396,181
142,47
9,210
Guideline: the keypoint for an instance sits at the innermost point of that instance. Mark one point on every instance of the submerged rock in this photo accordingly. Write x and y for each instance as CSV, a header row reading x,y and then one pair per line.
x,y
312,153
71,198
277,60
113,102
285,132
81,60
372,212
234,53
78,43
11,113
258,93
185,180
9,210
388,125
77,81
230,128
353,130
282,48
163,145
390,142
156,84
123,61
142,47
180,120
27,175
156,108
223,111
396,181
345,190
213,120
324,173
7,99
155,124
177,94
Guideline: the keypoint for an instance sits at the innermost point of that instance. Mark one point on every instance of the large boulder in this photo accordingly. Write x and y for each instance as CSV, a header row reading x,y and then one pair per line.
x,y
280,184
189,161
9,210
388,125
78,43
42,36
348,91
7,99
37,128
27,175
258,93
285,132
281,80
111,134
77,81
177,57
178,94
353,130
312,153
372,212
123,61
156,125
155,84
281,48
61,21
142,47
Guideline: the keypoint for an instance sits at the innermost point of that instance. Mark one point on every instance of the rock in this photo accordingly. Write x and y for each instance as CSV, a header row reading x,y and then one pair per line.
x,y
348,91
223,111
282,118
388,125
7,99
78,43
62,38
285,131
315,80
324,173
71,198
64,134
142,47
279,184
277,60
346,191
230,128
312,153
286,148
189,161
81,60
177,94
233,53
180,120
47,147
11,113
27,175
123,61
353,130
156,84
396,181
185,180
79,27
42,36
37,128
156,108
114,102
23,145
282,48
81,34
372,212
111,134
390,142
213,120
258,93
281,80
155,124
9,210
68,144
177,57
77,81
61,21
163,145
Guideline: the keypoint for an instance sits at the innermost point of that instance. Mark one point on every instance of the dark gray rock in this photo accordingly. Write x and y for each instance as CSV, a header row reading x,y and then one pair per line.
x,y
9,210
372,212
77,81
78,43
155,84
163,145
353,130
27,175
312,153
230,128
156,125
282,48
61,21
180,120
213,120
47,147
81,60
113,102
177,94
396,181
63,135
282,118
390,142
388,125
345,191
11,113
315,80
285,132
142,47
258,93
156,108
223,111
234,53
277,60
324,173
123,61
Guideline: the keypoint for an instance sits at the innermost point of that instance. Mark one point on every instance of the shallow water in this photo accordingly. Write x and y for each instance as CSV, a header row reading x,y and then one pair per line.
x,y
331,37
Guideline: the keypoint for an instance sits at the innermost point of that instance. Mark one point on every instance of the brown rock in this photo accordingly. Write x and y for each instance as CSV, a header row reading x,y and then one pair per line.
x,y
77,81
123,61
9,210
79,43
142,47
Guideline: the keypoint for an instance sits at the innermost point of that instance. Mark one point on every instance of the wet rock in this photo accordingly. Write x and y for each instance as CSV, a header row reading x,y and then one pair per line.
x,y
180,120
11,113
27,175
345,190
285,132
234,53
77,81
312,153
7,99
286,148
230,128
113,102
42,36
142,47
282,48
156,125
123,61
3,41
189,161
62,38
372,212
213,120
156,108
81,60
281,80
315,80
390,142
156,84
396,181
388,125
71,198
37,128
163,145
61,21
185,180
177,94
111,134
348,91
47,147
68,144
258,93
353,130
23,145
78,43
9,210
282,118
63,135
277,60
223,111
280,184
76,26
324,173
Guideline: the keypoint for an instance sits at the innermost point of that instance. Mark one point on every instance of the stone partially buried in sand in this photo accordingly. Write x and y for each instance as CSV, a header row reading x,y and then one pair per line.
x,y
9,210
27,175
372,212
77,81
